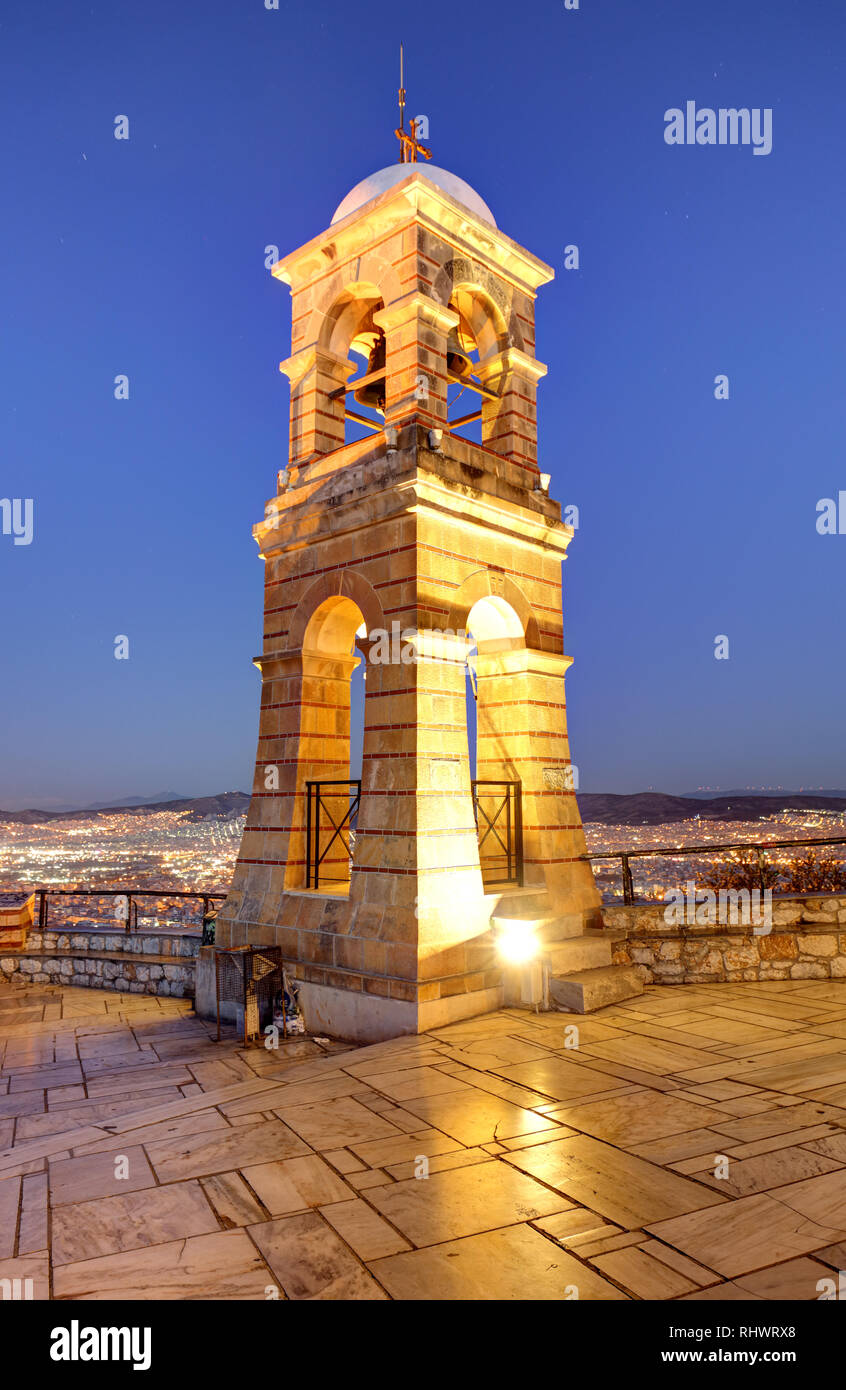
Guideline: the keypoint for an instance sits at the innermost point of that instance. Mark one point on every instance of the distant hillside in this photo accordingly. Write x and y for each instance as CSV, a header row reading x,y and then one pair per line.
x,y
656,808
639,808
199,808
704,795
136,801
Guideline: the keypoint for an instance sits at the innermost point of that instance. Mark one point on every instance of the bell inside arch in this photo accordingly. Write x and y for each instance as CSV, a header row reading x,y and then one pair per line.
x,y
458,364
372,393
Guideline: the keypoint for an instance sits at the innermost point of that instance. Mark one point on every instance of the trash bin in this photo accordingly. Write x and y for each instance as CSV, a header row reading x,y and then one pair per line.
x,y
250,977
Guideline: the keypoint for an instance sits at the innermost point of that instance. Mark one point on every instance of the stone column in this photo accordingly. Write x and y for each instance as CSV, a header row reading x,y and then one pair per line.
x,y
416,330
416,878
521,732
510,423
304,734
317,420
251,909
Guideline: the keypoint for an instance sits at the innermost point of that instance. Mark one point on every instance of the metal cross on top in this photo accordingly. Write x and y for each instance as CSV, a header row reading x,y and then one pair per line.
x,y
410,146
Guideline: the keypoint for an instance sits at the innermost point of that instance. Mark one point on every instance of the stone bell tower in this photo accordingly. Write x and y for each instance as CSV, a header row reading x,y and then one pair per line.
x,y
400,550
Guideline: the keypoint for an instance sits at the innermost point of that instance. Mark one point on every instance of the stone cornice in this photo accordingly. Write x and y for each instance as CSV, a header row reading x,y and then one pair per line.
x,y
511,361
429,205
302,521
298,365
530,660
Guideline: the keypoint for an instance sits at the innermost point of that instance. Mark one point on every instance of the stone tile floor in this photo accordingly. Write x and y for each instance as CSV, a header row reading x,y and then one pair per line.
x,y
690,1145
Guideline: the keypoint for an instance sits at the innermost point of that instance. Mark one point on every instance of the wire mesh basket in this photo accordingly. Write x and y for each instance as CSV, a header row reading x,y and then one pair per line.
x,y
251,977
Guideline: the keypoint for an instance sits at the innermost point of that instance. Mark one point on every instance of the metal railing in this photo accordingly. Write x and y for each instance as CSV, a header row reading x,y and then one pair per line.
x,y
332,814
505,825
341,827
131,894
669,851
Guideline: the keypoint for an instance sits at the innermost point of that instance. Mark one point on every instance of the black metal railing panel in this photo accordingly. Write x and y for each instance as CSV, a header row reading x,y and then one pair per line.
x,y
763,872
331,820
498,811
126,914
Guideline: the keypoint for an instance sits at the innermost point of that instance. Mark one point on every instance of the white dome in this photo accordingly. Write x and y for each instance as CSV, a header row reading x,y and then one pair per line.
x,y
380,182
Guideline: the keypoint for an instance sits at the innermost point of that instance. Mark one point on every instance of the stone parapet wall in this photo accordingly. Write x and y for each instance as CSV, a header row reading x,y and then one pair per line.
x,y
98,958
99,972
142,943
807,941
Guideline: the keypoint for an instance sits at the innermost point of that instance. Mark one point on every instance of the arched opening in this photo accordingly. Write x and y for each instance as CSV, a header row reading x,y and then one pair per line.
x,y
349,331
332,627
495,625
494,630
492,625
331,736
481,332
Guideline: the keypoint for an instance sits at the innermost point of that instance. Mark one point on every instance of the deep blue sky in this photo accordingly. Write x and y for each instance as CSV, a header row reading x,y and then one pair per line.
x,y
247,128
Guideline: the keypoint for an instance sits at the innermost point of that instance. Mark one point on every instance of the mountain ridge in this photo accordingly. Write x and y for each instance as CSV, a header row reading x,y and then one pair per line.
x,y
609,808
223,805
708,794
659,808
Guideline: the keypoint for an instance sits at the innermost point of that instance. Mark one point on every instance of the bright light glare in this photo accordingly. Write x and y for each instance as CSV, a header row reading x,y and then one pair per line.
x,y
516,941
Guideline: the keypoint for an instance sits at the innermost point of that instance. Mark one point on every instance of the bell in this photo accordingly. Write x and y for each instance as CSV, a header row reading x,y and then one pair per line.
x,y
457,362
373,394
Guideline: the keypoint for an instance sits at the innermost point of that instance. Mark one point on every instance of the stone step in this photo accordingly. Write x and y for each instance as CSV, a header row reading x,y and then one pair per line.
x,y
584,952
519,902
582,991
548,926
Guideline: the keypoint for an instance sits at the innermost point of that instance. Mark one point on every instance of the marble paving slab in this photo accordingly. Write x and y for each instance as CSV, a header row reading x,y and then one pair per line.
x,y
223,1265
624,1188
217,1151
310,1261
744,1235
503,1264
462,1201
86,1230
